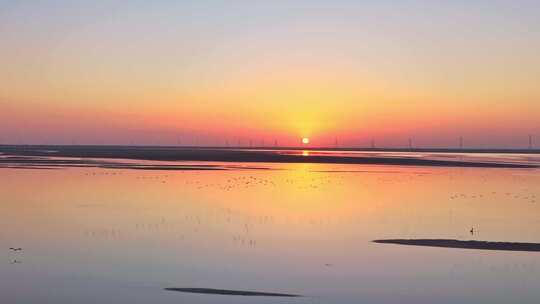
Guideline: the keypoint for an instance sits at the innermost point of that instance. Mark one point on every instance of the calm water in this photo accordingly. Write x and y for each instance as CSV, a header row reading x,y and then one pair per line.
x,y
120,236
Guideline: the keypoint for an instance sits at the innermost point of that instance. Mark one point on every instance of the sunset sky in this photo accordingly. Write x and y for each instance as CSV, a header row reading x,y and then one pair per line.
x,y
154,72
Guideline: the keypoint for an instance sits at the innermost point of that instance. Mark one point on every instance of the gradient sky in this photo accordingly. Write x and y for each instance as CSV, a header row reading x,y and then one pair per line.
x,y
151,72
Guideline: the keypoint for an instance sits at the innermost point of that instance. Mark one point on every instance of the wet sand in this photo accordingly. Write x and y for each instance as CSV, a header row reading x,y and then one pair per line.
x,y
230,155
478,245
229,292
44,163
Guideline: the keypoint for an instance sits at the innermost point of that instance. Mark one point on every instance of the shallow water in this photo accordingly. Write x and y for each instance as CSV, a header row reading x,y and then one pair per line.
x,y
93,235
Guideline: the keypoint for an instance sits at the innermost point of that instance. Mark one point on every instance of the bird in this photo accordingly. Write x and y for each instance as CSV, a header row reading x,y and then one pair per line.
x,y
15,249
472,231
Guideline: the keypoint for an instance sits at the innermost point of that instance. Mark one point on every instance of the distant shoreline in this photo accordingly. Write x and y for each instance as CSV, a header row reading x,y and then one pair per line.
x,y
238,156
296,148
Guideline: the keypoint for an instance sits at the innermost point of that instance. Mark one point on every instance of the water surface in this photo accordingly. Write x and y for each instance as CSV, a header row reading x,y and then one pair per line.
x,y
112,235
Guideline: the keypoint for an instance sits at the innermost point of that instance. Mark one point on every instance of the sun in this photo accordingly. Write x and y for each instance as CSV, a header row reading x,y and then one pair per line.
x,y
305,140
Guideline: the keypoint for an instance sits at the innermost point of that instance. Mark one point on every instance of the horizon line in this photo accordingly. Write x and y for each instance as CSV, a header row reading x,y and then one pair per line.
x,y
524,150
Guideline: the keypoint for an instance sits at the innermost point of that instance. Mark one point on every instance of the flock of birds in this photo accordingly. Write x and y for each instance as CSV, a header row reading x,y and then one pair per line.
x,y
244,228
527,197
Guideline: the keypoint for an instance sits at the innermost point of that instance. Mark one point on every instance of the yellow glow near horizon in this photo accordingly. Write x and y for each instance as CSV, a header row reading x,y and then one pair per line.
x,y
354,70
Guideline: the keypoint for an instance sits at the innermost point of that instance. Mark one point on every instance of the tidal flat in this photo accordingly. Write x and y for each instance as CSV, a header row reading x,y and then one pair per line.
x,y
121,230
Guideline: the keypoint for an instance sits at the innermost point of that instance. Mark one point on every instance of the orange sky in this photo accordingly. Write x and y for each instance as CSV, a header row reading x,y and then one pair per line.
x,y
207,73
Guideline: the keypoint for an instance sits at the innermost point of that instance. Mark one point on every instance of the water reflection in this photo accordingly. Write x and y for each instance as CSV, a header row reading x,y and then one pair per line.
x,y
121,236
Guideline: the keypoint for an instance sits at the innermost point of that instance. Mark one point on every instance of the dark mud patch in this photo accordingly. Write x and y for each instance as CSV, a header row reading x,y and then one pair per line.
x,y
229,292
478,245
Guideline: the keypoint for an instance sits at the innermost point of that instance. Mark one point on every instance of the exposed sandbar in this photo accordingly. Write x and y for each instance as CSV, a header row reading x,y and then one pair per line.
x,y
478,245
229,292
236,155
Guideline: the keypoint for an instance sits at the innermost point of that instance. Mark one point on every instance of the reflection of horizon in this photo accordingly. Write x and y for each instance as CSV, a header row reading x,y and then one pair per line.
x,y
209,223
305,153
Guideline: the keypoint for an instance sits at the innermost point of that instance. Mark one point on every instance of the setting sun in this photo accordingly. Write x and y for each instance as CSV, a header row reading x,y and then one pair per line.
x,y
193,120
